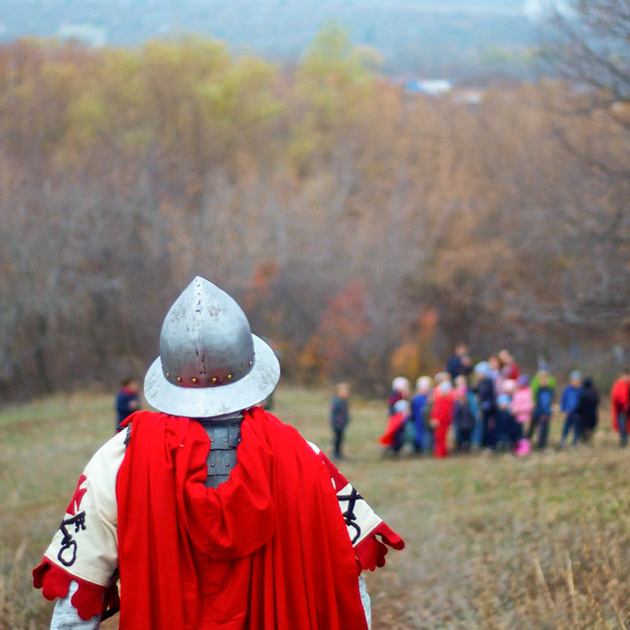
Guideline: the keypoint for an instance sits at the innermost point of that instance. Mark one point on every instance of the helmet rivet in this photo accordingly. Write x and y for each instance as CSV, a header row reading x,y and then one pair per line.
x,y
168,375
251,363
179,379
214,379
194,379
229,377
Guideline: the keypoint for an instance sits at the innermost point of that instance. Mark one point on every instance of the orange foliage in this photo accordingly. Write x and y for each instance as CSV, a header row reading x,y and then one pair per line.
x,y
406,360
311,362
262,277
415,355
342,326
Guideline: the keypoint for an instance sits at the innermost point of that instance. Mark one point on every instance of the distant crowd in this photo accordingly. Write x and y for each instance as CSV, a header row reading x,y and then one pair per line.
x,y
491,405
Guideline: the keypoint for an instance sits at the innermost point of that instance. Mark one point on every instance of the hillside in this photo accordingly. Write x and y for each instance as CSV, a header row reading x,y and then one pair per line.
x,y
492,541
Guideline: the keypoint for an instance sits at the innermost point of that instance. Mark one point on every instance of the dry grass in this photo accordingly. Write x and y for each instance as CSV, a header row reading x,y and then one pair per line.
x,y
492,541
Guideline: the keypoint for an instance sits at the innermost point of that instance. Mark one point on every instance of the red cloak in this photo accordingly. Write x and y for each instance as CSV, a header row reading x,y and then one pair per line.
x,y
619,401
394,424
267,549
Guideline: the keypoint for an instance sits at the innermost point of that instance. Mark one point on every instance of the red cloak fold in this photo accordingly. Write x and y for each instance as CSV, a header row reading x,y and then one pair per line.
x,y
266,550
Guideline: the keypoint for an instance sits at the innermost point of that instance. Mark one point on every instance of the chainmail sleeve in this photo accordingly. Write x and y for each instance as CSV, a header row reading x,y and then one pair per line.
x,y
66,617
365,600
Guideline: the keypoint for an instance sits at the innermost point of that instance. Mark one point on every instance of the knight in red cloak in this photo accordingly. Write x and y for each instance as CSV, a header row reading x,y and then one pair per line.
x,y
212,513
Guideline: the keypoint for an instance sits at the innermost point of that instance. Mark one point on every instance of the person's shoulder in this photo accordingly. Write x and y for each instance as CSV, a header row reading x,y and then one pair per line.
x,y
115,443
109,455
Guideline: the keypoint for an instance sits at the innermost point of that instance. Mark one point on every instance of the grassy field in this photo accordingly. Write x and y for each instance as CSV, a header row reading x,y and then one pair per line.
x,y
492,541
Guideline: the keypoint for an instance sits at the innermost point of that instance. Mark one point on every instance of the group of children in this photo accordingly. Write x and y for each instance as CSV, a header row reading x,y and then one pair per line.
x,y
491,406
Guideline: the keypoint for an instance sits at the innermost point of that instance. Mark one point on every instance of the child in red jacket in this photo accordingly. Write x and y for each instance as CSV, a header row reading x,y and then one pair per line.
x,y
620,403
442,417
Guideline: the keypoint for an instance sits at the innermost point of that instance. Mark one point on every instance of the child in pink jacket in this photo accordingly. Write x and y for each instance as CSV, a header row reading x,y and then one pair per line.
x,y
522,407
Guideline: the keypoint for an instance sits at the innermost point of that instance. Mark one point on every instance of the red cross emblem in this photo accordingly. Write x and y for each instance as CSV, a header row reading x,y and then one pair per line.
x,y
77,497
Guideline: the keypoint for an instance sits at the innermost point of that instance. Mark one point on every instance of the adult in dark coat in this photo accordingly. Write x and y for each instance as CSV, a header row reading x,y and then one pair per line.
x,y
459,364
588,410
487,405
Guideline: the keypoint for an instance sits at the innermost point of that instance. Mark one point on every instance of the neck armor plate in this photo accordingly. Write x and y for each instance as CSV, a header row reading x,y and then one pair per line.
x,y
225,435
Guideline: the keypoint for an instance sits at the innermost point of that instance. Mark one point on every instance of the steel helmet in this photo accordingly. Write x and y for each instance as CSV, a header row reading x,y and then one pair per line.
x,y
210,364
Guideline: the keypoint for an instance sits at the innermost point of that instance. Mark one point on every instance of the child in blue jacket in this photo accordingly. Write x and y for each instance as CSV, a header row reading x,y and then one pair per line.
x,y
543,409
568,405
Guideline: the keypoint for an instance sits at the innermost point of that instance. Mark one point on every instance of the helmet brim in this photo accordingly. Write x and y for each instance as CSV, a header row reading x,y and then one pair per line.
x,y
206,402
